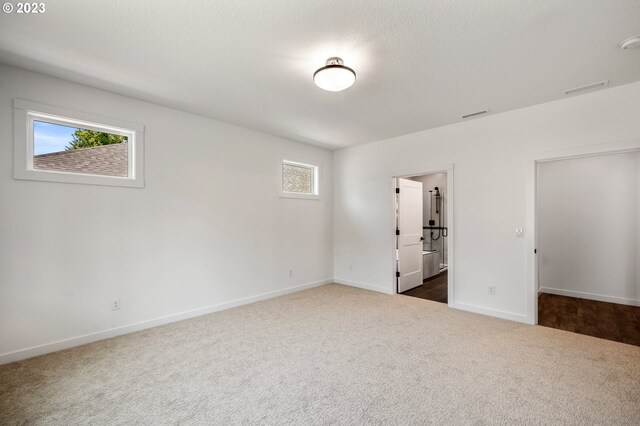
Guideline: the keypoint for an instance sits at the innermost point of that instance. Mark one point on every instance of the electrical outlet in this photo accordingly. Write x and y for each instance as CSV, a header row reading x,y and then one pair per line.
x,y
519,232
492,290
290,272
115,304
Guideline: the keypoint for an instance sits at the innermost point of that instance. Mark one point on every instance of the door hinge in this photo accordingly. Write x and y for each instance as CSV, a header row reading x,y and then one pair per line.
x,y
397,231
397,190
398,274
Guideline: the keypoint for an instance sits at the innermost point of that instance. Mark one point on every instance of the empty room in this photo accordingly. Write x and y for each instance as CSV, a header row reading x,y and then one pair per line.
x,y
320,212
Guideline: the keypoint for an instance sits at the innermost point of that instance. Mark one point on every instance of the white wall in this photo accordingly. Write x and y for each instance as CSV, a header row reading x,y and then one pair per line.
x,y
491,156
588,227
208,229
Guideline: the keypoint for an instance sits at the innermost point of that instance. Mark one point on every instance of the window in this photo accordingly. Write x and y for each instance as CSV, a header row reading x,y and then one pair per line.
x,y
57,145
299,180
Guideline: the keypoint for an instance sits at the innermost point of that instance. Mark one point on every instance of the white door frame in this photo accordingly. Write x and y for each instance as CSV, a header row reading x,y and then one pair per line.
x,y
448,169
531,237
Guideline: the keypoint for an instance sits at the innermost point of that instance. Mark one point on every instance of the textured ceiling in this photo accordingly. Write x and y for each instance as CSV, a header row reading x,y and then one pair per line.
x,y
420,64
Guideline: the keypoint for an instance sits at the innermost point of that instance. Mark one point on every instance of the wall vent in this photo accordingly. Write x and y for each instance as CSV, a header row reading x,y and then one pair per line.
x,y
475,114
597,85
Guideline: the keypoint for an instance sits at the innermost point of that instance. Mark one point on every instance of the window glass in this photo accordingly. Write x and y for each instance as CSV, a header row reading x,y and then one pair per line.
x,y
297,178
62,148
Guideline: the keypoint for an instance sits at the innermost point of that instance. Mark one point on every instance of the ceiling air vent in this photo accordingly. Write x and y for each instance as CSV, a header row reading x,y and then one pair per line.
x,y
476,114
598,85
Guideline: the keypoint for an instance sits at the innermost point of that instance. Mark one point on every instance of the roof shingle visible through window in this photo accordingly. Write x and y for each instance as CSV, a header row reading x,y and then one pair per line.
x,y
109,160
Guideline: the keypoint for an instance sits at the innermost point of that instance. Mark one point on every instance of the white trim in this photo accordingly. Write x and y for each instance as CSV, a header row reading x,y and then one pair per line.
x,y
492,312
142,325
315,170
531,237
362,286
590,296
26,112
531,244
442,168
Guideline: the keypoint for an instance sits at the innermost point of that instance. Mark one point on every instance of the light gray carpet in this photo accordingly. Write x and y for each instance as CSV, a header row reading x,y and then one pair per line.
x,y
331,355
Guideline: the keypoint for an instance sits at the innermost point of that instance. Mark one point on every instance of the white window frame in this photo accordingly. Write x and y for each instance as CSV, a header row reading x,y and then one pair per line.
x,y
315,169
26,112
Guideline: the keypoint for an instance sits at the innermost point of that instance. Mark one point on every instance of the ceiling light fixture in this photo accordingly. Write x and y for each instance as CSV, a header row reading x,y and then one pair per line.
x,y
334,76
630,43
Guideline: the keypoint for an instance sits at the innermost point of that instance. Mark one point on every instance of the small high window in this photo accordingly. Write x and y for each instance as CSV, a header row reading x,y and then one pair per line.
x,y
57,145
299,180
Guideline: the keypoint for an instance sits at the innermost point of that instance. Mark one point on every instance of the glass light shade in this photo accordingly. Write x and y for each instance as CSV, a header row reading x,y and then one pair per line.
x,y
334,78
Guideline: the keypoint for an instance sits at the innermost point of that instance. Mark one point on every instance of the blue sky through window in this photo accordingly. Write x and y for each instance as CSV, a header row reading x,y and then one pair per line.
x,y
48,137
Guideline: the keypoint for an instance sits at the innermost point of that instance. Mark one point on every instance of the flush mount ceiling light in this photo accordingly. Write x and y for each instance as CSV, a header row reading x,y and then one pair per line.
x,y
630,43
334,76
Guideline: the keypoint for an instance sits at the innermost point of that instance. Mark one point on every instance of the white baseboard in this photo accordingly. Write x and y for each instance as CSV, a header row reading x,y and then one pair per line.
x,y
362,285
461,306
590,296
142,325
492,312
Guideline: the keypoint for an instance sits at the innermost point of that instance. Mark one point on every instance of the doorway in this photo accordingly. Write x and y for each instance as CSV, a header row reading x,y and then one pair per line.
x,y
588,214
423,214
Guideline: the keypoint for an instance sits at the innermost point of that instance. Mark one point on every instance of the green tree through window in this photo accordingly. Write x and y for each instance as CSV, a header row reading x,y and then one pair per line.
x,y
83,138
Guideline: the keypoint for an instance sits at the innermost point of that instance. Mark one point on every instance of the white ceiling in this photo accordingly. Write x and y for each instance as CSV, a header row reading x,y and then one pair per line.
x,y
420,64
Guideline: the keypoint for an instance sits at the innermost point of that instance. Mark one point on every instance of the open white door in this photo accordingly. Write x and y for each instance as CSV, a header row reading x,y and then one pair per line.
x,y
410,234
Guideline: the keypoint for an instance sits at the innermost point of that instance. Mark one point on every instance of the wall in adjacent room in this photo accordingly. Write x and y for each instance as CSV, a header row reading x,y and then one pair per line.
x,y
588,227
491,157
429,182
208,230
